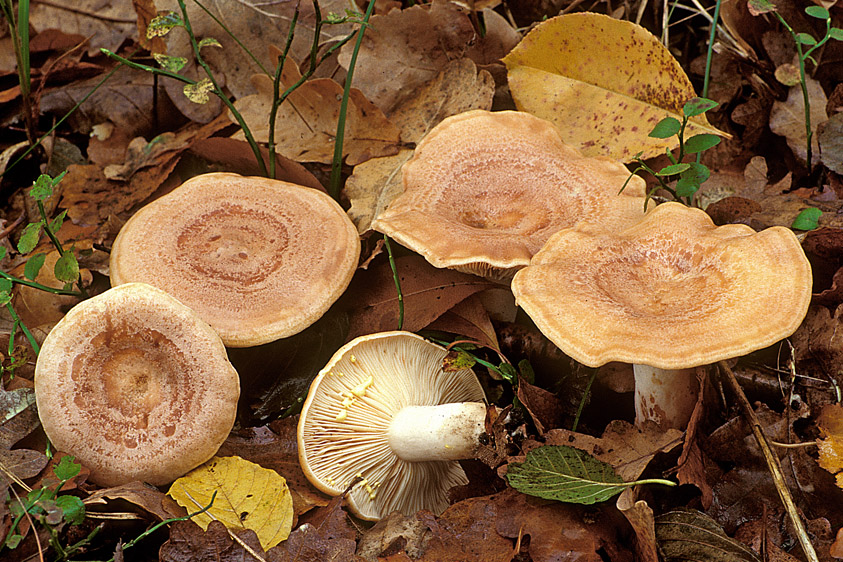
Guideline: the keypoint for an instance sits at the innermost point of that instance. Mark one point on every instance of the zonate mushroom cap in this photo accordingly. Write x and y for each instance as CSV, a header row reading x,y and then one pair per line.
x,y
257,259
345,424
135,386
672,292
484,191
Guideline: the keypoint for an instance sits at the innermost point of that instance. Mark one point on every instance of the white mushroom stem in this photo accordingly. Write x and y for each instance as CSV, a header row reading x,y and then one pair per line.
x,y
437,433
665,396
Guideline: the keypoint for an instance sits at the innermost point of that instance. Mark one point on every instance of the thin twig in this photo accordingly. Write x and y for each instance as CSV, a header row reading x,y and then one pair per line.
x,y
772,462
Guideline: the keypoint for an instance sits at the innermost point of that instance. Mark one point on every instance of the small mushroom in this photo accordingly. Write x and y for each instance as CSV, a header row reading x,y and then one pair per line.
x,y
484,191
671,293
258,259
384,410
136,386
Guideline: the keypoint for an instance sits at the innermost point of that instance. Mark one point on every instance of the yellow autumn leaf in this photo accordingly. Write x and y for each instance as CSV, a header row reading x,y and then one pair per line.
x,y
830,423
248,497
603,82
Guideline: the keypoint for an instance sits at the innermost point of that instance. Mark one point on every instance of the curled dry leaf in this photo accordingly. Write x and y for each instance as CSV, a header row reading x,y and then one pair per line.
x,y
603,82
306,123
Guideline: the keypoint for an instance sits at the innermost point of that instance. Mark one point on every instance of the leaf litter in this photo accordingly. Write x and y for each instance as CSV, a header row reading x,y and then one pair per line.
x,y
136,138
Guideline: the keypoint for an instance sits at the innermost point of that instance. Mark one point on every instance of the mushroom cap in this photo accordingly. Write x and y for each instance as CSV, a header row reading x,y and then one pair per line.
x,y
386,371
672,292
136,386
484,191
258,259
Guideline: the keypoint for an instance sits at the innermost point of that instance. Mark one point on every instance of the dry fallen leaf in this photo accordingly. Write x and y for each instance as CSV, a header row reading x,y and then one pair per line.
x,y
190,543
248,496
787,118
105,24
604,83
830,423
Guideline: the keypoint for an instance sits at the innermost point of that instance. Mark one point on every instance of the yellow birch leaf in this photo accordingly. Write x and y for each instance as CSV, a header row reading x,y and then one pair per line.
x,y
603,82
830,423
248,497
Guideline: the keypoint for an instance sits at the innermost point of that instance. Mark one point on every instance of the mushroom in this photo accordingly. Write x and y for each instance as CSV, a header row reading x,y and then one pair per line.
x,y
484,191
671,293
384,410
135,386
258,259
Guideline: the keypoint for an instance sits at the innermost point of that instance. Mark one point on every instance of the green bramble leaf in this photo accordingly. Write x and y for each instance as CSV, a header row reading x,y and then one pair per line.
x,y
209,42
33,266
67,468
29,237
817,12
836,33
697,106
42,189
173,64
673,169
758,7
701,142
805,39
666,128
690,180
198,93
5,286
160,26
55,224
557,472
72,508
807,219
67,268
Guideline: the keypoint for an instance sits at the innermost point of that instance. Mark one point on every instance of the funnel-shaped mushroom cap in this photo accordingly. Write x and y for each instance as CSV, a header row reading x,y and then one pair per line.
x,y
136,386
673,292
345,423
484,191
257,259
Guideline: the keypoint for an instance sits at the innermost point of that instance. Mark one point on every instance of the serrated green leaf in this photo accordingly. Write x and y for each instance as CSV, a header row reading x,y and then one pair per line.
x,y
67,268
805,39
67,468
758,7
209,42
42,188
817,12
160,26
33,266
807,219
173,64
29,237
55,224
697,106
701,142
72,508
673,169
836,33
666,128
557,472
198,93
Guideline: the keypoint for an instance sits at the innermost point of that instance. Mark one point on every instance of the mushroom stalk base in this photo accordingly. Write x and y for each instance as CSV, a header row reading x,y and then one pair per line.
x,y
665,396
437,433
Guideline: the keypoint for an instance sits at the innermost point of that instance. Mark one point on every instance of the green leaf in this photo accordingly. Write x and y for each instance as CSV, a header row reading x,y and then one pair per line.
x,y
508,372
701,142
12,541
209,42
557,472
2,252
807,219
67,268
5,297
698,106
686,187
72,509
198,93
173,64
42,189
55,224
758,7
805,39
160,26
67,468
666,128
29,238
5,285
836,33
673,169
696,172
817,12
33,266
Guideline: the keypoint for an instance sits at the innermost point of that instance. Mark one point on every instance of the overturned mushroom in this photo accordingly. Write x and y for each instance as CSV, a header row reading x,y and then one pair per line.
x,y
668,294
384,410
257,259
484,191
136,386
